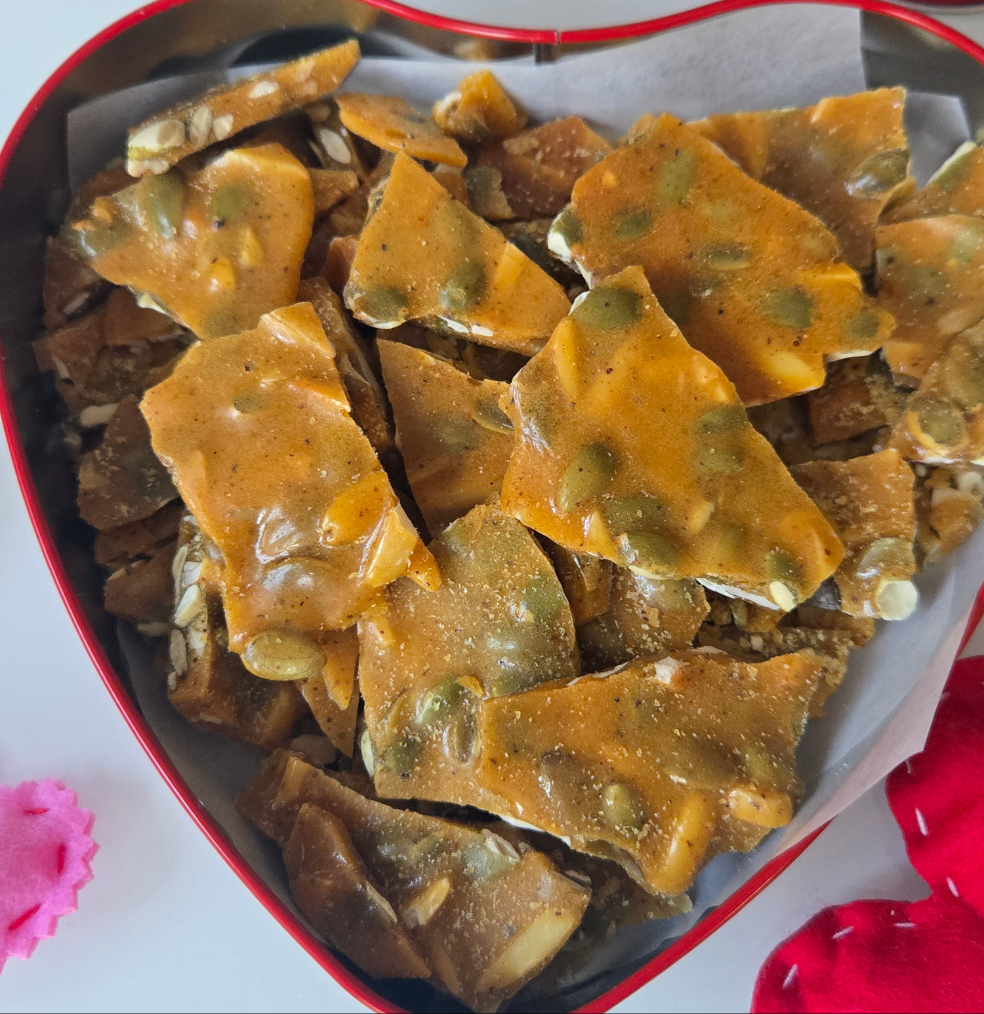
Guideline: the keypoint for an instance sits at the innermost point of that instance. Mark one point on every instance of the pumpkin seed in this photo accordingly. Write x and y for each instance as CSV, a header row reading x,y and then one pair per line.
x,y
880,171
489,416
789,307
100,239
623,808
953,170
922,283
886,557
964,380
722,419
648,551
782,567
726,256
402,756
543,598
641,513
608,308
434,704
940,420
163,198
967,243
463,287
864,324
716,459
461,737
456,435
633,224
677,176
229,202
589,474
731,539
538,419
283,655
568,227
382,305
484,863
699,764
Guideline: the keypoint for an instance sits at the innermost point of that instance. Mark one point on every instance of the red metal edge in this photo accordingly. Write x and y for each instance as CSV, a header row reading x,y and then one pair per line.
x,y
132,716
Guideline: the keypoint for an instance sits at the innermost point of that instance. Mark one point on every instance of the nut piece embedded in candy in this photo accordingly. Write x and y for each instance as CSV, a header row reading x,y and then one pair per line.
x,y
845,159
424,256
213,248
478,110
256,430
715,505
499,624
654,764
750,277
160,142
454,438
463,895
586,580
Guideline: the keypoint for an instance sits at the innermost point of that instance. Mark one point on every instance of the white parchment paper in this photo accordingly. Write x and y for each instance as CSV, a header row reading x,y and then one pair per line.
x,y
757,59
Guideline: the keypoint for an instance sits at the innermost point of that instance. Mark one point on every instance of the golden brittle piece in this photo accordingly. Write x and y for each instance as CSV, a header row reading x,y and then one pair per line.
x,y
330,186
943,421
256,428
751,278
645,616
860,629
499,624
869,502
333,695
957,188
141,591
454,437
215,248
931,278
424,256
539,167
478,110
660,764
485,915
391,123
844,159
586,580
858,396
70,286
617,380
163,140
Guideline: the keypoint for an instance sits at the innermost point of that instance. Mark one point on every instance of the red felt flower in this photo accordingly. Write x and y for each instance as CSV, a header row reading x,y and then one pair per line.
x,y
897,956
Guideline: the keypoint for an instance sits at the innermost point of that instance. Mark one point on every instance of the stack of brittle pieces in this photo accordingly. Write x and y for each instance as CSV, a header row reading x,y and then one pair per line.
x,y
520,492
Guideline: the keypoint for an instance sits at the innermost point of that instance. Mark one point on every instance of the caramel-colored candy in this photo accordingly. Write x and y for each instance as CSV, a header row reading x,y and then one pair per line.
x,y
423,256
454,437
337,723
858,396
860,629
540,166
141,591
645,616
117,546
954,515
844,159
499,624
634,447
330,186
338,260
122,480
750,277
956,189
478,110
215,248
369,408
256,429
391,123
160,142
334,146
868,500
586,580
943,422
484,914
70,286
531,237
660,764
931,278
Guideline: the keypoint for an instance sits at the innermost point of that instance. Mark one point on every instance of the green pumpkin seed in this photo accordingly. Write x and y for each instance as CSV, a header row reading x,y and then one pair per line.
x,y
726,256
456,435
630,225
966,245
940,420
538,419
676,306
489,416
864,324
964,380
623,808
568,227
723,419
953,171
229,202
716,459
880,171
790,307
641,513
589,474
482,863
383,305
461,737
648,551
608,308
677,176
283,655
700,764
923,284
782,567
543,598
163,198
890,557
402,756
93,243
434,704
463,287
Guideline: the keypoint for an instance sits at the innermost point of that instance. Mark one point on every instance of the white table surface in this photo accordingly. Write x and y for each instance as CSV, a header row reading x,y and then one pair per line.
x,y
165,925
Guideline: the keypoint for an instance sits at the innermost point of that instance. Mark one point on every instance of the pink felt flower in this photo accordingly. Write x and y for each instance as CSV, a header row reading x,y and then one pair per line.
x,y
45,850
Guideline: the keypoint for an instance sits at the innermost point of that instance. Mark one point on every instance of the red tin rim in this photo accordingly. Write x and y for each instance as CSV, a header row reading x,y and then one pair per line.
x,y
132,716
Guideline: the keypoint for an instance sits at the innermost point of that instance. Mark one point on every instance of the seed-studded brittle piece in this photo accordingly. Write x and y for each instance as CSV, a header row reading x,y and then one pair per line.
x,y
160,142
369,408
122,480
338,260
257,432
455,438
956,189
951,510
660,764
478,110
645,616
586,580
499,624
931,278
391,123
333,695
424,256
857,396
869,502
70,285
141,591
485,915
616,380
531,237
214,248
943,422
844,159
860,629
750,277
117,546
540,166
330,186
